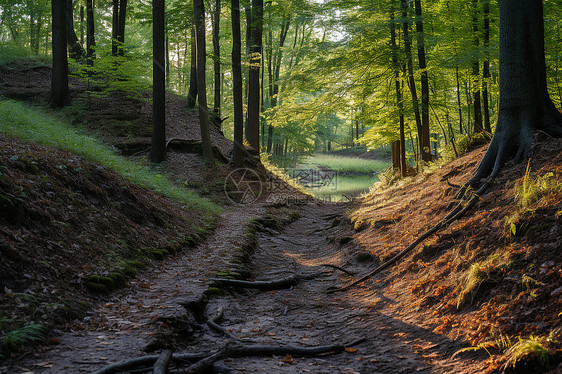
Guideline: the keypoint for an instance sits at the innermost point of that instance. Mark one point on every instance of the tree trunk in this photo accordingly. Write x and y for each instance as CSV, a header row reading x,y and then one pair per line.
x,y
486,68
410,66
216,59
81,26
476,72
401,158
199,15
90,38
253,122
238,155
192,93
525,105
167,57
459,98
158,145
60,95
425,138
121,30
115,27
75,48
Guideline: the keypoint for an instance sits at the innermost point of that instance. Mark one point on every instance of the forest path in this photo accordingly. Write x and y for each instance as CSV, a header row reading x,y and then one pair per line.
x,y
305,315
123,324
121,328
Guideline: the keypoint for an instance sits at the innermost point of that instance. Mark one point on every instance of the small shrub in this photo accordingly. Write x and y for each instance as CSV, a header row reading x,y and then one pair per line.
x,y
531,348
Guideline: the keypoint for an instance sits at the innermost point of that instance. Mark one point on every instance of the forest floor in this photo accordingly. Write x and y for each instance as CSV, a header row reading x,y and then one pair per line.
x,y
491,277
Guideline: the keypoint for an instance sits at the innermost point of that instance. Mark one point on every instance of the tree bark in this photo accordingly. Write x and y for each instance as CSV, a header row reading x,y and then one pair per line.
x,y
192,93
75,48
525,105
410,66
401,145
238,155
199,15
253,122
486,68
476,73
158,146
115,27
90,38
216,59
425,137
60,95
121,30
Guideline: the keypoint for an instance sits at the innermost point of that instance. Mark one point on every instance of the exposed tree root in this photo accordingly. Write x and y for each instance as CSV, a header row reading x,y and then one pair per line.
x,y
268,285
338,268
203,362
458,211
239,350
213,324
161,365
148,361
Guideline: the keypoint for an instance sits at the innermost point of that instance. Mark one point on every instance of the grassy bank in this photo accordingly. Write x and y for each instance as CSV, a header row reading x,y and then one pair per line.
x,y
37,125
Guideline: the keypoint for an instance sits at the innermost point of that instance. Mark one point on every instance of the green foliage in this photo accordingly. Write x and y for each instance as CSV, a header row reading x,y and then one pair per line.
x,y
13,338
111,74
532,189
531,348
15,57
36,125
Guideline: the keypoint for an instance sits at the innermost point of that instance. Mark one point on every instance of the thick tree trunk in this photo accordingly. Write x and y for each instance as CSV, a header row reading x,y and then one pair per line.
x,y
90,38
238,155
425,138
525,105
192,93
216,59
253,122
158,146
199,15
60,96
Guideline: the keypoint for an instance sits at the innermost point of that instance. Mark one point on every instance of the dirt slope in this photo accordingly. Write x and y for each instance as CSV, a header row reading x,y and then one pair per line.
x,y
494,274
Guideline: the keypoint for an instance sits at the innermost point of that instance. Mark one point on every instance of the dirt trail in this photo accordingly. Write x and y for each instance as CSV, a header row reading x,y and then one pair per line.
x,y
120,328
124,324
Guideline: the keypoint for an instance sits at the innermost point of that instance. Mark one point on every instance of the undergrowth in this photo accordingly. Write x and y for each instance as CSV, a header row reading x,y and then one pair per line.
x,y
13,338
16,57
35,125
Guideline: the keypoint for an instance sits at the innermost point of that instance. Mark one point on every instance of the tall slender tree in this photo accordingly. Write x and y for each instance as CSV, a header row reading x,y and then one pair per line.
x,y
486,67
238,155
158,145
216,58
478,127
424,79
90,37
253,121
60,95
121,28
192,93
199,15
410,69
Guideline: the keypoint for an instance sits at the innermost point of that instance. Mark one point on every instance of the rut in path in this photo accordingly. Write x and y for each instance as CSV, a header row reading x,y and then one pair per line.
x,y
303,315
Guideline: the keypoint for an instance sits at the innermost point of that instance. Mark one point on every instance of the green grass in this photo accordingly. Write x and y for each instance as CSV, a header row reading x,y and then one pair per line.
x,y
346,164
15,57
347,186
36,125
